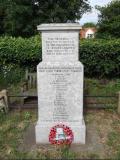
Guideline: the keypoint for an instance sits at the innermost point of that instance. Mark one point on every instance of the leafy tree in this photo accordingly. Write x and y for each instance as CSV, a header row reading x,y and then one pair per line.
x,y
2,15
22,16
1,20
109,20
89,24
62,11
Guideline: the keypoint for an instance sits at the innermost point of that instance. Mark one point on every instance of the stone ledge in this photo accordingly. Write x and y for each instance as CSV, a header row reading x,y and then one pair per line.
x,y
59,26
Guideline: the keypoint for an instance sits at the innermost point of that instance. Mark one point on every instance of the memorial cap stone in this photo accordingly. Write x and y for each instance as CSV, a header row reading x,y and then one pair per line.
x,y
59,26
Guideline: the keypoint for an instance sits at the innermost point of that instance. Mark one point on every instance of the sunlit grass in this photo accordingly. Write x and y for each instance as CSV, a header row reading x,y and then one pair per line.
x,y
14,125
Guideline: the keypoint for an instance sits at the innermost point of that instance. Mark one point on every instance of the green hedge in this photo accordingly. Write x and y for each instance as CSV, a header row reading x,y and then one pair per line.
x,y
101,58
20,51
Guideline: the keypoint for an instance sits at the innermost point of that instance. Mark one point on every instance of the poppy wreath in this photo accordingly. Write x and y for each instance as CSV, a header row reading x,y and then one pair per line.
x,y
67,131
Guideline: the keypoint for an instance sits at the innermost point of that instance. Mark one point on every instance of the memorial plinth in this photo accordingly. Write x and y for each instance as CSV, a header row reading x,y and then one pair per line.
x,y
60,82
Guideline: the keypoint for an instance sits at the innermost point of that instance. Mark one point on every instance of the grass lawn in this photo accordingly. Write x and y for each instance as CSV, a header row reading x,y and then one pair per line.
x,y
14,125
102,87
12,128
106,123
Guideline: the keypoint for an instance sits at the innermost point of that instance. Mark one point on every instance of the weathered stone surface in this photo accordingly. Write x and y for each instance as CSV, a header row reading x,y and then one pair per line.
x,y
60,82
60,46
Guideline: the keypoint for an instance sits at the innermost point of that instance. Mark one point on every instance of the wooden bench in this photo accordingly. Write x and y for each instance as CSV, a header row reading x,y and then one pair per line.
x,y
4,100
29,86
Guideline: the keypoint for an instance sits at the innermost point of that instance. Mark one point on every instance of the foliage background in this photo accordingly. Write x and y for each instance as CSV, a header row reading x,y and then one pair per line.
x,y
101,58
109,20
20,17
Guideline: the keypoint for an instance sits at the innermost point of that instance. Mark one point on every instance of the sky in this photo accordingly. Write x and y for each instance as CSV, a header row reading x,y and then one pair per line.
x,y
93,16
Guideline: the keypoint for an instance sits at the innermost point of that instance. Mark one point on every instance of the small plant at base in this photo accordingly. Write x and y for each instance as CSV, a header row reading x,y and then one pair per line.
x,y
27,115
66,153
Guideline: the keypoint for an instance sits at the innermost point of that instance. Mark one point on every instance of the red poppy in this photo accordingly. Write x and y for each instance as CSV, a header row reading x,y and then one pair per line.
x,y
61,134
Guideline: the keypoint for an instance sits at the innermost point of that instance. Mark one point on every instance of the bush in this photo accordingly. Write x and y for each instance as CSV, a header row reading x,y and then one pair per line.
x,y
10,74
101,58
20,51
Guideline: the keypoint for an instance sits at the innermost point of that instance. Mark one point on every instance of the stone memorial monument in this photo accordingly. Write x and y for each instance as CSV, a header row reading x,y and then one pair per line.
x,y
60,84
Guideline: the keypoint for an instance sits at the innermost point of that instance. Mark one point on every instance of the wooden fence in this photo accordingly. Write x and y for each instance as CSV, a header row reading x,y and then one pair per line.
x,y
90,101
100,101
